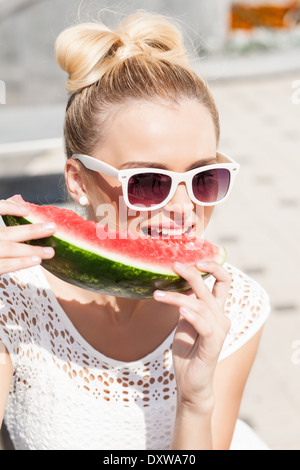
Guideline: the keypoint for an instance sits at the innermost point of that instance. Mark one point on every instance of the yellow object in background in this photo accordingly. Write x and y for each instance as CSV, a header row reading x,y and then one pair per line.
x,y
268,15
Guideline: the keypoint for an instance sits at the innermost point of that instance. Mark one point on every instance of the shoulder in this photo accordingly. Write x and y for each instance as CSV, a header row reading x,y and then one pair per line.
x,y
247,306
245,292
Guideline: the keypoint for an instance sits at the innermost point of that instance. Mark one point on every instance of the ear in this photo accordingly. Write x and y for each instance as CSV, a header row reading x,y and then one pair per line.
x,y
74,181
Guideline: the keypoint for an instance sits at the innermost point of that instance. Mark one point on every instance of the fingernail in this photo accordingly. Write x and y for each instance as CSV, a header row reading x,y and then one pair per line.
x,y
48,251
179,266
36,259
24,209
160,294
49,227
202,263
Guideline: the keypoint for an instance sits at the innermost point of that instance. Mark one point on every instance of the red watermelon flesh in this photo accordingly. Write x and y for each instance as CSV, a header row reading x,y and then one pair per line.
x,y
161,252
110,261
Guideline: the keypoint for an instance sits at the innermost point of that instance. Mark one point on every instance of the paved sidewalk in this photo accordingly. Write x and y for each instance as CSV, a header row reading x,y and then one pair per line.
x,y
260,228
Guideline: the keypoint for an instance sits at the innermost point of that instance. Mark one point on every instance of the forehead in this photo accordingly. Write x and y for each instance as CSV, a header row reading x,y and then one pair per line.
x,y
173,135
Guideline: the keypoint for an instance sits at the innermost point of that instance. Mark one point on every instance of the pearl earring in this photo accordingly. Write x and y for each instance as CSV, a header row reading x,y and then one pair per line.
x,y
83,201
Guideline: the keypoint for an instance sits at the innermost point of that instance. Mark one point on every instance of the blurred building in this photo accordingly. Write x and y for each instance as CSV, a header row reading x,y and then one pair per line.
x,y
28,29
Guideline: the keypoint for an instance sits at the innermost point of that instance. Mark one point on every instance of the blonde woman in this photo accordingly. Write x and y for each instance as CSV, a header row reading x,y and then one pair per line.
x,y
83,370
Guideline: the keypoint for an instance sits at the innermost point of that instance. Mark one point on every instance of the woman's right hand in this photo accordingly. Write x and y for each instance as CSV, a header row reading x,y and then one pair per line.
x,y
14,253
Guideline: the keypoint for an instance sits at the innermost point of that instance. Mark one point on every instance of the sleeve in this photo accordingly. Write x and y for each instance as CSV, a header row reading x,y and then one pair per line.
x,y
248,307
11,331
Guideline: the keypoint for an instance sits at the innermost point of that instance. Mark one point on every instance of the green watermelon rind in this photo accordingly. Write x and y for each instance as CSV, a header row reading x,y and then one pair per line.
x,y
87,269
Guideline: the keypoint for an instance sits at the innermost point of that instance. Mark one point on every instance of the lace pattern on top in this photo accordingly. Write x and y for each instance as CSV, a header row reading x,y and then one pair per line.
x,y
67,395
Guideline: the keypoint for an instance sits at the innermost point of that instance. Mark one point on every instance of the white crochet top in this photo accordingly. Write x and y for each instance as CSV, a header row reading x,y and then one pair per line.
x,y
67,395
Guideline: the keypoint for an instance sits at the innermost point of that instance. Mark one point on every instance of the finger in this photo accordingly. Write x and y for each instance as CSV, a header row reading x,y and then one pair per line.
x,y
22,233
185,339
10,250
222,280
8,207
210,338
180,300
185,334
184,329
198,322
176,299
195,280
15,264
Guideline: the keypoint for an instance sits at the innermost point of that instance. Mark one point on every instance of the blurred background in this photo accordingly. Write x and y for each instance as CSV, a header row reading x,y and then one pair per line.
x,y
249,52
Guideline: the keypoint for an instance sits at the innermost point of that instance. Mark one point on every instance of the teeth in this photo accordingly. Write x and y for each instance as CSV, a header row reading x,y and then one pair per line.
x,y
165,232
174,232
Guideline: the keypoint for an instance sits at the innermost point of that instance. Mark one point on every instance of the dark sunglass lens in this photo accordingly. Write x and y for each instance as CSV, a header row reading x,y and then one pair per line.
x,y
211,185
148,189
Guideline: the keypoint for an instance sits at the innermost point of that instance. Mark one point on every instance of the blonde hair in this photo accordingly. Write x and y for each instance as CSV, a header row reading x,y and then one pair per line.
x,y
144,59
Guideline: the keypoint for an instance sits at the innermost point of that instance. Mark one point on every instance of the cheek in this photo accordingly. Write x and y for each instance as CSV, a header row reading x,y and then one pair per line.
x,y
107,189
208,211
108,206
131,220
104,197
202,218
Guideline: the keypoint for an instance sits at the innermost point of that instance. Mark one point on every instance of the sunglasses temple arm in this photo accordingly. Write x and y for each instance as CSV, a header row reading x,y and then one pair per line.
x,y
96,165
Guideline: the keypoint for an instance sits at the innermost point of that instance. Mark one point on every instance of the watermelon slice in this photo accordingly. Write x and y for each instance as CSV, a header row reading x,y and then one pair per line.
x,y
90,256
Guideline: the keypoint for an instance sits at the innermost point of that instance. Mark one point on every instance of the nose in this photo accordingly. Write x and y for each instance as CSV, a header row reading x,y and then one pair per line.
x,y
180,204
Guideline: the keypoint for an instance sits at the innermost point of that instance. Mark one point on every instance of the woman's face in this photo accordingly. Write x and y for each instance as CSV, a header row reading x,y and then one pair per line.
x,y
173,137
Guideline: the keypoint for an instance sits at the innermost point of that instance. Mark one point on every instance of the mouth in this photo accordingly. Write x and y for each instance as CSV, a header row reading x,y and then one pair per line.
x,y
167,232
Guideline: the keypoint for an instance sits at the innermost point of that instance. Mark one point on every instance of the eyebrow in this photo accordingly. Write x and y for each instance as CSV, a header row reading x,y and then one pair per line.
x,y
199,163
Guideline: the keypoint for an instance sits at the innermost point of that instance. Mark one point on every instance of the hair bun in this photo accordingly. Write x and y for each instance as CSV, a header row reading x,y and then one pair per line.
x,y
88,50
79,50
154,34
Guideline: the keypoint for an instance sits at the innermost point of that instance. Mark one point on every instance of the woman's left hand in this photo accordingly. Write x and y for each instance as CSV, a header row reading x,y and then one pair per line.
x,y
201,331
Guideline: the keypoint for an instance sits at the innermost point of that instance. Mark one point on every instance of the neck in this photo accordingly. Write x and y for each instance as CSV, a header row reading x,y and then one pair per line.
x,y
123,310
120,328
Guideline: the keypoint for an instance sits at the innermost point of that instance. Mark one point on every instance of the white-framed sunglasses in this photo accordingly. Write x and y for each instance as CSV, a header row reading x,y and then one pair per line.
x,y
147,189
